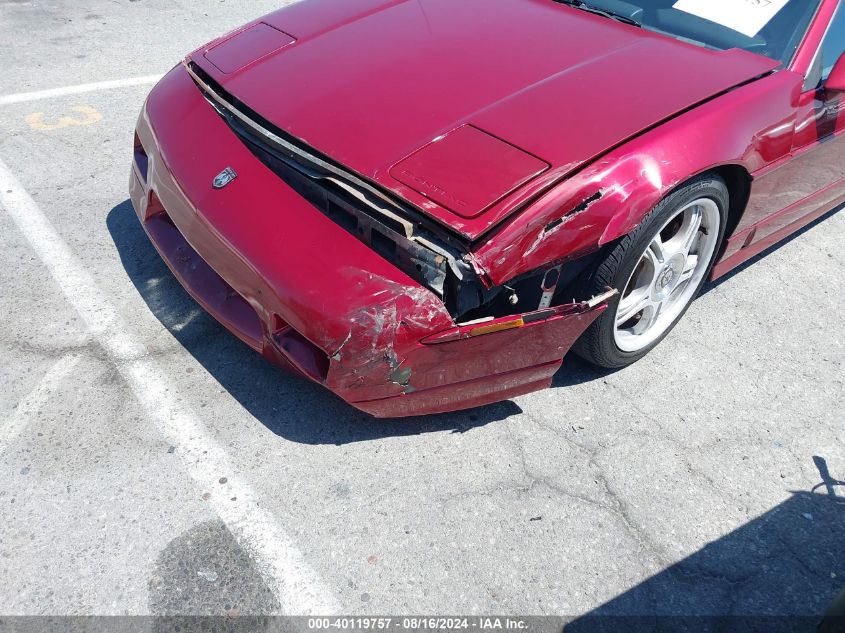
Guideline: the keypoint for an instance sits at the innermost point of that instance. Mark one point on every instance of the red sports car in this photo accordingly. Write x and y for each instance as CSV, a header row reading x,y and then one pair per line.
x,y
424,204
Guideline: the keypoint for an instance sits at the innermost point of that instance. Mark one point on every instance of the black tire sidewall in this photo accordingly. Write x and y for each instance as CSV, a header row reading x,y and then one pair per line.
x,y
599,343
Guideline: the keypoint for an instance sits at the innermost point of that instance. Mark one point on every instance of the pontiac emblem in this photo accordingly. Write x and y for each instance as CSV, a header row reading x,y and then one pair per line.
x,y
224,178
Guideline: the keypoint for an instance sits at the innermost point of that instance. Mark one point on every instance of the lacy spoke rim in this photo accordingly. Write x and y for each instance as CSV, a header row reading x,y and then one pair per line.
x,y
669,272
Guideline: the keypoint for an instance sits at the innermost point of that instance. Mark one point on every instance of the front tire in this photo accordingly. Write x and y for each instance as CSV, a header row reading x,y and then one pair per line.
x,y
659,269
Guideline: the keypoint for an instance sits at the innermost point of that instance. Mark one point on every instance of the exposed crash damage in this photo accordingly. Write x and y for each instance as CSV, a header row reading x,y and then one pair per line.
x,y
381,345
392,229
439,259
390,318
422,229
390,342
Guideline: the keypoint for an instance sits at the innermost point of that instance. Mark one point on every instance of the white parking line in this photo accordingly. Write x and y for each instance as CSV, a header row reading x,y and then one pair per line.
x,y
297,586
35,400
75,90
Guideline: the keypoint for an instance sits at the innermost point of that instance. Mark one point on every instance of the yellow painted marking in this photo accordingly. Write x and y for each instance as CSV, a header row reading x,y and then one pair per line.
x,y
90,116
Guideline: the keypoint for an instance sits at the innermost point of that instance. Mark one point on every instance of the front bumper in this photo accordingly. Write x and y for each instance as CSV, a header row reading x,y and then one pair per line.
x,y
307,294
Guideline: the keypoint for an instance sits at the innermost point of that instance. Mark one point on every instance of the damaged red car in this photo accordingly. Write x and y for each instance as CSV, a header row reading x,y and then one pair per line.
x,y
423,205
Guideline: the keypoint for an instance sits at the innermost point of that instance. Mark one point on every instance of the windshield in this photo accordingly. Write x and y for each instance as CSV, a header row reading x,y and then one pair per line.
x,y
773,28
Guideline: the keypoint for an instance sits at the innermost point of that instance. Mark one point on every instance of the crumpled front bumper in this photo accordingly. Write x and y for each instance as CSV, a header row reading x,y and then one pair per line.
x,y
307,294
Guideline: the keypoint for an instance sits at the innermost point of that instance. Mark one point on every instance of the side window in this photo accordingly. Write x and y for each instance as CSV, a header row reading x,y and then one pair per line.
x,y
832,48
834,43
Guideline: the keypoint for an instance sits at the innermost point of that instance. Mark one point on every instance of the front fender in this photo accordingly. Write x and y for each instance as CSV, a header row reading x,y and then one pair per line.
x,y
751,126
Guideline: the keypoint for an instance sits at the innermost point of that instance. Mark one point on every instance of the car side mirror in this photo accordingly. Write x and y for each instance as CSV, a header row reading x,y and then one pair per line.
x,y
836,81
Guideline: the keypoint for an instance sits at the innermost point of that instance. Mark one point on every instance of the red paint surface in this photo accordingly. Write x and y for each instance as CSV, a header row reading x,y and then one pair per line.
x,y
467,170
250,45
371,86
620,117
256,243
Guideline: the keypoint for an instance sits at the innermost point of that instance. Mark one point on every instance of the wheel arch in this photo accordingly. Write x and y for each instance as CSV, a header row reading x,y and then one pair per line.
x,y
600,211
737,179
709,191
605,200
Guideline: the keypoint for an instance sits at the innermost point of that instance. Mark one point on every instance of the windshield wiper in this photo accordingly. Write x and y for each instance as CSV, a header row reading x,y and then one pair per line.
x,y
583,6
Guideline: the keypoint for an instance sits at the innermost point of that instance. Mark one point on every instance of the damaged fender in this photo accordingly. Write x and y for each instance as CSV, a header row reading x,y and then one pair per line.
x,y
484,362
609,198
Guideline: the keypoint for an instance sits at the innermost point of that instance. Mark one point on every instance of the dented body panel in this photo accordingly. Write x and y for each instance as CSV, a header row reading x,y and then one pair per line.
x,y
270,267
372,87
390,202
610,197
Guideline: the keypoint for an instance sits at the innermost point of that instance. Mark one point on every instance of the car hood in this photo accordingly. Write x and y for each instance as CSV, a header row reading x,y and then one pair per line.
x,y
465,109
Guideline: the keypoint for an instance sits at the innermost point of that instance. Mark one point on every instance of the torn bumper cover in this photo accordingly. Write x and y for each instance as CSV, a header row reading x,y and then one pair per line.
x,y
304,292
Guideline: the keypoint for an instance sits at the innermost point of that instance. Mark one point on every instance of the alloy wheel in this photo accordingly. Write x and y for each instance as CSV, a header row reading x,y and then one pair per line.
x,y
667,275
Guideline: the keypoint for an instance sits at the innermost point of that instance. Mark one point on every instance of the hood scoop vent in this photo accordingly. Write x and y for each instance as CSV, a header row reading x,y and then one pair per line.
x,y
247,47
467,170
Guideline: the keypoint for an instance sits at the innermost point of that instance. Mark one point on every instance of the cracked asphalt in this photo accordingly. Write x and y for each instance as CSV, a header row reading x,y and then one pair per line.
x,y
706,479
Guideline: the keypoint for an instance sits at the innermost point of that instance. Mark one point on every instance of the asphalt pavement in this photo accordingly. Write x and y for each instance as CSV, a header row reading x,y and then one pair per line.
x,y
152,464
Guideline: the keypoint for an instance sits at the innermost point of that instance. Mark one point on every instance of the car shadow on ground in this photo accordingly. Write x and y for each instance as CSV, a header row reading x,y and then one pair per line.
x,y
779,572
288,405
